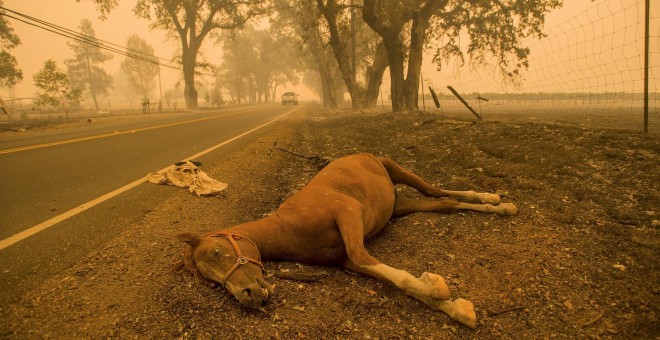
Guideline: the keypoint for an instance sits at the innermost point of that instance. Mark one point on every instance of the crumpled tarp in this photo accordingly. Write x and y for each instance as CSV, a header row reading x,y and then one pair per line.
x,y
187,175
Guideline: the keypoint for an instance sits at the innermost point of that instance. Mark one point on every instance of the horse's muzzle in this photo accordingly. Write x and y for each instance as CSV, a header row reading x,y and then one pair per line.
x,y
254,295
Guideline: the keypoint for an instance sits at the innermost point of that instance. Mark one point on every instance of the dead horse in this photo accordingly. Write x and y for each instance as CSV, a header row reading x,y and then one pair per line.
x,y
326,223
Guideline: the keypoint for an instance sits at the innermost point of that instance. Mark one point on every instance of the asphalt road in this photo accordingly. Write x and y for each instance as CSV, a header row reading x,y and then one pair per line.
x,y
49,173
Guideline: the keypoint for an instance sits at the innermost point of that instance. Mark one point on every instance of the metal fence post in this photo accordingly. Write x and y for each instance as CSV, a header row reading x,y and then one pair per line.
x,y
646,66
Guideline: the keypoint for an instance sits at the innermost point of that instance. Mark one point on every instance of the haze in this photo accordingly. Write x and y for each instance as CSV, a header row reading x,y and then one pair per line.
x,y
39,45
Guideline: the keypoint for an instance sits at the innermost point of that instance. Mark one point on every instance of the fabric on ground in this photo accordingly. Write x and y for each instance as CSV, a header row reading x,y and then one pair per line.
x,y
187,175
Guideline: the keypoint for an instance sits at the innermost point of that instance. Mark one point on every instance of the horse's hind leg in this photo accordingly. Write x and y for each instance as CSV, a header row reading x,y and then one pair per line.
x,y
404,206
399,175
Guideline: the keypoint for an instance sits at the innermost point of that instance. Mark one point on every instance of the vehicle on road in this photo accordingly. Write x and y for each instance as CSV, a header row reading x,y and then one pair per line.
x,y
289,98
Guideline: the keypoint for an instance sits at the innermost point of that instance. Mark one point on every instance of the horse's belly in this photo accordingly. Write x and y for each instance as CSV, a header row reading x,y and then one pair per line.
x,y
330,256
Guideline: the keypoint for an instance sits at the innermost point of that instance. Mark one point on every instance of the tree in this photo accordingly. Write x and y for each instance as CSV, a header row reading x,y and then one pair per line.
x,y
172,96
215,94
55,88
123,87
494,27
239,59
191,21
389,18
298,21
10,74
141,73
255,64
312,80
85,72
279,63
341,27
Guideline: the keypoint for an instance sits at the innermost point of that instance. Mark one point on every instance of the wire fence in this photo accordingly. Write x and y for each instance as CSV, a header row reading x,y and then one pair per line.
x,y
591,64
25,108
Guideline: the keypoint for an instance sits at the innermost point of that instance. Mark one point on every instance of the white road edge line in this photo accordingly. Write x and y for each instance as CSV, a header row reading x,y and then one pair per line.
x,y
59,218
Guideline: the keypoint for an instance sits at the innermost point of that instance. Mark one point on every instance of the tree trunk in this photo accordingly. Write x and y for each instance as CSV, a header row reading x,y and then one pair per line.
x,y
144,84
316,47
190,94
417,32
395,58
239,90
189,56
190,44
328,87
92,90
273,91
66,111
339,48
404,90
391,35
375,76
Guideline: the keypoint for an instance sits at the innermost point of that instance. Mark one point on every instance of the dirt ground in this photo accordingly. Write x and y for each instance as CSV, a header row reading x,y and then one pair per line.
x,y
580,260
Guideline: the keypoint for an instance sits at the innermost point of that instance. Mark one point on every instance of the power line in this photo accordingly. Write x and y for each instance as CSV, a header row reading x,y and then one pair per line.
x,y
90,40
99,45
69,31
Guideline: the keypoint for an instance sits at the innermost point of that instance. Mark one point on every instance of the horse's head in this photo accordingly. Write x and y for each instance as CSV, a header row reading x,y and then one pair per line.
x,y
232,261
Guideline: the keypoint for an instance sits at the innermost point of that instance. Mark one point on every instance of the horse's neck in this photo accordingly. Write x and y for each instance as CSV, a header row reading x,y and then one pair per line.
x,y
268,234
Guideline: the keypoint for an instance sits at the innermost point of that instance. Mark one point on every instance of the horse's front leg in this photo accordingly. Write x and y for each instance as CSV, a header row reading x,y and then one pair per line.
x,y
428,288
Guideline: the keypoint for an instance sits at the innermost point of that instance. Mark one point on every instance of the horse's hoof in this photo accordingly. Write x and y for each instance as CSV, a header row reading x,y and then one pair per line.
x,y
508,209
438,284
464,313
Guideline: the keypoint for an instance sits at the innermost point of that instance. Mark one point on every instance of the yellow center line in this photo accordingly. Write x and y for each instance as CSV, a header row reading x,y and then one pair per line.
x,y
85,206
117,133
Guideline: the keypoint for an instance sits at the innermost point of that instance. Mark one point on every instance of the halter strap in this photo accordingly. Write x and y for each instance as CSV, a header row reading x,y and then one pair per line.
x,y
240,260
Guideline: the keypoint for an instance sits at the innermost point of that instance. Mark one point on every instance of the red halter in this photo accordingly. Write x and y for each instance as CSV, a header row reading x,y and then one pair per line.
x,y
240,260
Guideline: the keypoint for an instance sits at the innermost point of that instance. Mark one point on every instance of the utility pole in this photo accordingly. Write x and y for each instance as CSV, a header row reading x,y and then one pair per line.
x,y
160,84
160,89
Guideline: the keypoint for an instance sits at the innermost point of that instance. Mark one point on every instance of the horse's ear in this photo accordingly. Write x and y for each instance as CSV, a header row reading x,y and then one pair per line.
x,y
187,262
190,238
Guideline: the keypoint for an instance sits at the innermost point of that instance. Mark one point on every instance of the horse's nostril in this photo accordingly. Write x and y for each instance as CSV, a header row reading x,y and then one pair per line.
x,y
247,292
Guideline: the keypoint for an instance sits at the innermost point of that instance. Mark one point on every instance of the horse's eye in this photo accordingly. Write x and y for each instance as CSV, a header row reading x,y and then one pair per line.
x,y
217,251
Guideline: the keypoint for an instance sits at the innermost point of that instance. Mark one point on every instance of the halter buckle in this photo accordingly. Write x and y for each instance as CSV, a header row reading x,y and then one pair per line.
x,y
242,260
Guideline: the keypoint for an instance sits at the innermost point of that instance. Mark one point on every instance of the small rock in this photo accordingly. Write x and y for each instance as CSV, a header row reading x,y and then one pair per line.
x,y
620,267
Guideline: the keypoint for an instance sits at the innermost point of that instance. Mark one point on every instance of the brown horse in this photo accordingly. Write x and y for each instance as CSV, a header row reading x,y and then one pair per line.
x,y
326,223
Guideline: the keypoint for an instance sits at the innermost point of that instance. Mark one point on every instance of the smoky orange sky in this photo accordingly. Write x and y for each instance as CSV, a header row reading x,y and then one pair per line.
x,y
39,45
